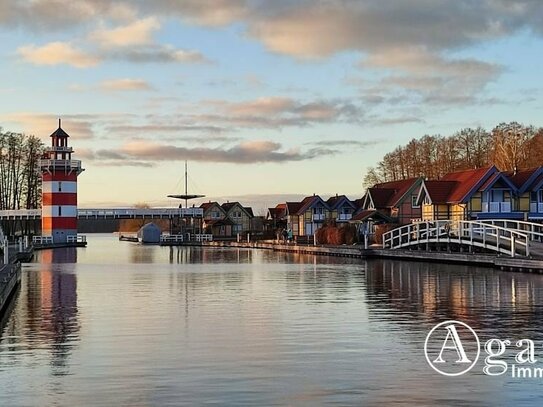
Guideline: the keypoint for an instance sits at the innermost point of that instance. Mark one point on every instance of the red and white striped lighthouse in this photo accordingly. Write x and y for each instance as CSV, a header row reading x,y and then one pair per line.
x,y
59,189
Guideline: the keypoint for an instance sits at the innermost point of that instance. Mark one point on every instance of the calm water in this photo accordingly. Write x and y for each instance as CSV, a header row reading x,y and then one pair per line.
x,y
128,325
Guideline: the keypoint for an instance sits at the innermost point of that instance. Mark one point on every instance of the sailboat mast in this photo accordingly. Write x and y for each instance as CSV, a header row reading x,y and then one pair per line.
x,y
186,182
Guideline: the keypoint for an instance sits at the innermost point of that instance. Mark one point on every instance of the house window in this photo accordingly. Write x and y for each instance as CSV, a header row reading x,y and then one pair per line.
x,y
533,196
427,200
414,203
60,211
60,187
541,195
215,214
318,211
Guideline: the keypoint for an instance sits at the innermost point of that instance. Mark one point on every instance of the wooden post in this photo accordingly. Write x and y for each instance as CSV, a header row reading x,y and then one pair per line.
x,y
6,252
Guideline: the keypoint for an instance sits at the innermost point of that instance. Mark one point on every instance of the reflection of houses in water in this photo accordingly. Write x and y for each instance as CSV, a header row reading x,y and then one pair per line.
x,y
483,296
58,302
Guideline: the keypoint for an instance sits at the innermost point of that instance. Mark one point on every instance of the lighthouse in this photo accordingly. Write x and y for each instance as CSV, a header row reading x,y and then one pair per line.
x,y
59,189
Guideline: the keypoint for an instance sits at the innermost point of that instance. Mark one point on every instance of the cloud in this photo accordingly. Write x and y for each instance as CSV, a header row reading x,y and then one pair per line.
x,y
277,112
344,143
246,152
144,129
136,33
57,53
125,84
42,125
157,54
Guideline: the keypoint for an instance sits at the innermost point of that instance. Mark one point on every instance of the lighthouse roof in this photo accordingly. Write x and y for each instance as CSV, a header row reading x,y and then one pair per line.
x,y
59,132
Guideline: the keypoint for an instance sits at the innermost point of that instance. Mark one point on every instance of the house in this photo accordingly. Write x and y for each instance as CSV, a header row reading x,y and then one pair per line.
x,y
305,217
341,208
276,218
482,193
240,216
215,220
529,184
396,200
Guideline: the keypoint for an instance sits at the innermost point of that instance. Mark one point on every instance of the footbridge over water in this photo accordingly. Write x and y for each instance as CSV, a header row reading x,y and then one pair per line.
x,y
504,237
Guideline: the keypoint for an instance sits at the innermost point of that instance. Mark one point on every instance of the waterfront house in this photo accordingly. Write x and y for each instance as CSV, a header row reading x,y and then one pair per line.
x,y
215,220
529,184
396,200
341,208
306,217
276,218
482,193
240,216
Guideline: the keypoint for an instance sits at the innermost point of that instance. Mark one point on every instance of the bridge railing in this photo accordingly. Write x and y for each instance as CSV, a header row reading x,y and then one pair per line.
x,y
137,212
470,233
533,230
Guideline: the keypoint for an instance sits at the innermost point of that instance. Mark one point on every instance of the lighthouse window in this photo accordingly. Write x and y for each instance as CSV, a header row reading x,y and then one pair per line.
x,y
60,211
60,187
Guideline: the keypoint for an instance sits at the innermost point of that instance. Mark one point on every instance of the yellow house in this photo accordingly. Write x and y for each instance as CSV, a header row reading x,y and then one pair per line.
x,y
307,216
482,193
530,192
240,216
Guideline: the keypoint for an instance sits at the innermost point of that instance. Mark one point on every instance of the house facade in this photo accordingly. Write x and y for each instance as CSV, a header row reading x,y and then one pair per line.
x,y
483,193
341,209
240,216
397,200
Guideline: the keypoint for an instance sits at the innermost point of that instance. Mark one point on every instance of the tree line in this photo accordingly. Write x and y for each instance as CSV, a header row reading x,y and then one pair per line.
x,y
509,146
20,181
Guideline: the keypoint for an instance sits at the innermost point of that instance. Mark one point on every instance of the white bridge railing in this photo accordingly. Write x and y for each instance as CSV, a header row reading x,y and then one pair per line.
x,y
138,213
533,230
469,233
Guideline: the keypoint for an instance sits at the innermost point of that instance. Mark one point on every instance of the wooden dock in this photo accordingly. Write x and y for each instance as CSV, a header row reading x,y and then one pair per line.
x,y
501,262
10,278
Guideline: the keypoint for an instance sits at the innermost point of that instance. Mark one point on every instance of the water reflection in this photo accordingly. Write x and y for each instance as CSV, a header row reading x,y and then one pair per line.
x,y
487,299
124,324
46,315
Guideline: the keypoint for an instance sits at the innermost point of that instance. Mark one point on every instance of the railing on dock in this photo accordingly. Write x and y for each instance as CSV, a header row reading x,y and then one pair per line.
x,y
171,238
468,233
76,239
42,240
202,237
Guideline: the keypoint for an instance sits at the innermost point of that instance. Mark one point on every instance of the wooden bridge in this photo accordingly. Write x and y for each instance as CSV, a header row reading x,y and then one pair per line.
x,y
512,238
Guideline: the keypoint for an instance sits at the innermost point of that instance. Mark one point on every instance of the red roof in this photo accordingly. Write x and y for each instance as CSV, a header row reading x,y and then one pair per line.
x,y
278,212
388,194
206,205
439,191
367,214
466,181
522,177
293,207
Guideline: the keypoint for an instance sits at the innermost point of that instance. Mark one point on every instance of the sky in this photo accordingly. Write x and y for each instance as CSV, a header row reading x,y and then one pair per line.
x,y
267,100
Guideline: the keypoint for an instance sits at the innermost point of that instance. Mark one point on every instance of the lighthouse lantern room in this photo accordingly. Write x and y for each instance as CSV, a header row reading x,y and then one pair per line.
x,y
59,189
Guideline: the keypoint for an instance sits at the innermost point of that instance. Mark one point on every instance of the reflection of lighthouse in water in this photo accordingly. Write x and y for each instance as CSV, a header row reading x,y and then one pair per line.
x,y
59,322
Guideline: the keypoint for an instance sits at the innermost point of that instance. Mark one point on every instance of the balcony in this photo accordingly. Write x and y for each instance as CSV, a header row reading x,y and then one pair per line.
x,y
72,165
536,207
497,207
59,149
344,216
